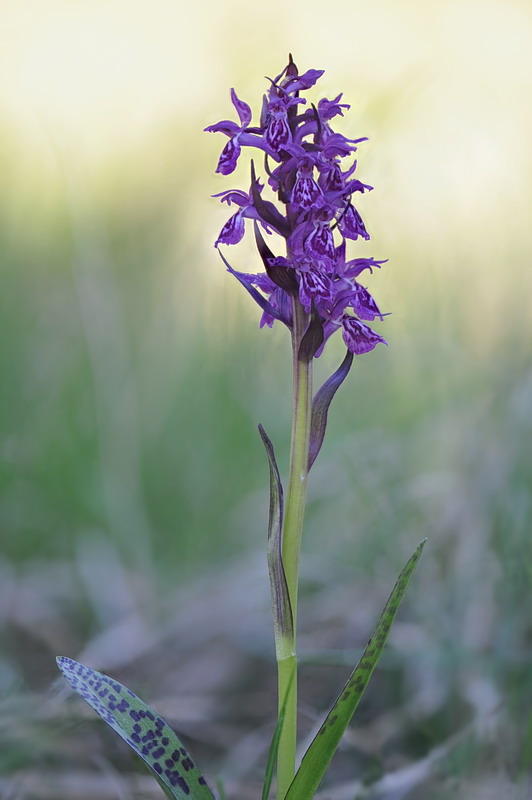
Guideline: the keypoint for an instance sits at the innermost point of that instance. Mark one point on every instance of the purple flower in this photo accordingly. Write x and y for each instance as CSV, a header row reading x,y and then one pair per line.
x,y
315,287
278,134
310,167
238,135
231,151
351,224
358,337
306,193
234,229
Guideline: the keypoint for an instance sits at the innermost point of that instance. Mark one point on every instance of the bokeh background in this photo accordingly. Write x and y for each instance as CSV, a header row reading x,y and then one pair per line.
x,y
133,497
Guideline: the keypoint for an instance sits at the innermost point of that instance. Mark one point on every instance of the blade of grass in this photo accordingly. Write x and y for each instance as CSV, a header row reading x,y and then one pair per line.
x,y
322,748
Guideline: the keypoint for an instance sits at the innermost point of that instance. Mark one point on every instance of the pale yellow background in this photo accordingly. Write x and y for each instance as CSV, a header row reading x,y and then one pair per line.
x,y
442,89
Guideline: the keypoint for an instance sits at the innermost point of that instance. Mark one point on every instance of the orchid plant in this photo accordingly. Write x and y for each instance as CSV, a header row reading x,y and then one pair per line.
x,y
313,289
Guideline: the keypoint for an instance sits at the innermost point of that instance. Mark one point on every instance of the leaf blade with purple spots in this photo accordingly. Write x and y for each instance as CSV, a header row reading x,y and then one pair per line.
x,y
316,760
142,728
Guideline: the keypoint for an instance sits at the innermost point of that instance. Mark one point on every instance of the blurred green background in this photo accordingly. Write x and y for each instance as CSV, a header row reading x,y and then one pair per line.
x,y
133,374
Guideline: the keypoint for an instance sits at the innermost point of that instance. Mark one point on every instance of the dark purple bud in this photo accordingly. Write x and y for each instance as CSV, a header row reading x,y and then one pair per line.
x,y
290,69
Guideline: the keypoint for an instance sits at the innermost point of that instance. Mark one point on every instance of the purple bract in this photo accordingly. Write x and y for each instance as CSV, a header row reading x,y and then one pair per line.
x,y
303,160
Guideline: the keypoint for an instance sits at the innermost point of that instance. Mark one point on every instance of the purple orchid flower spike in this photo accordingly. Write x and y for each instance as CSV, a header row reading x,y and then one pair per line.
x,y
304,159
311,288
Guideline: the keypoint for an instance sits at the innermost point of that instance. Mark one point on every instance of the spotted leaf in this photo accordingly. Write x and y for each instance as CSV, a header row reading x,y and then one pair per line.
x,y
142,728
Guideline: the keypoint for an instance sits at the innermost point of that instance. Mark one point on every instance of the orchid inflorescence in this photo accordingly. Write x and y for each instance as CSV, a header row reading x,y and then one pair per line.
x,y
317,194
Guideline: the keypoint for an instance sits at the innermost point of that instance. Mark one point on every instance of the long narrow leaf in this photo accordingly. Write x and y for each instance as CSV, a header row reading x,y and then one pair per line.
x,y
142,728
281,607
322,748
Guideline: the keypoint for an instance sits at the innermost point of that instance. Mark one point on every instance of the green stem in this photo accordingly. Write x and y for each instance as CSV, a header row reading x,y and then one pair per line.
x,y
292,529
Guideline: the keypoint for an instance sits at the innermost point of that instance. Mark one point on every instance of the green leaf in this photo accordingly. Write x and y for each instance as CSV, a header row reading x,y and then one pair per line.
x,y
142,728
281,607
322,748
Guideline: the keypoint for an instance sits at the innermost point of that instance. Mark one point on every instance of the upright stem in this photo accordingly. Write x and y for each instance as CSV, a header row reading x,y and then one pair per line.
x,y
297,478
292,529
